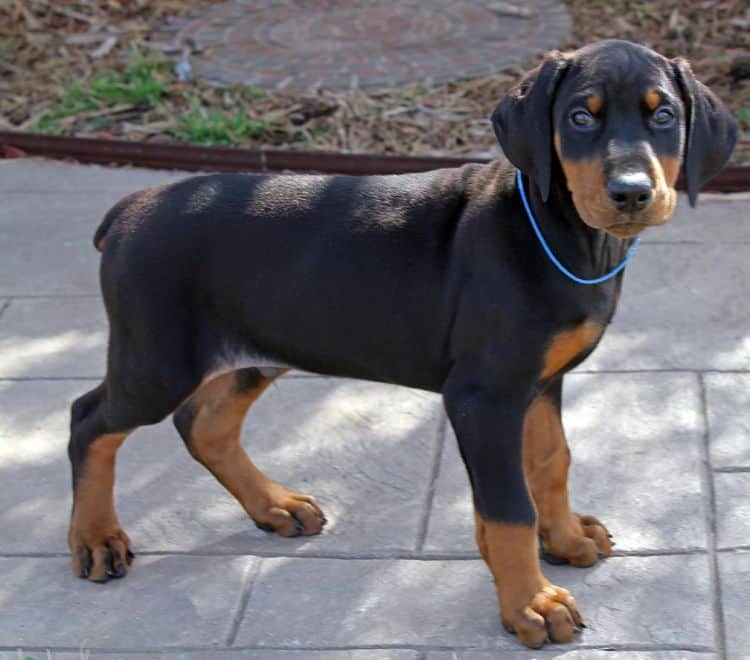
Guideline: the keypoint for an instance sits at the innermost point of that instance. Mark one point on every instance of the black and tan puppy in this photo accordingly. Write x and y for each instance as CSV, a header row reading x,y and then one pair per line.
x,y
216,285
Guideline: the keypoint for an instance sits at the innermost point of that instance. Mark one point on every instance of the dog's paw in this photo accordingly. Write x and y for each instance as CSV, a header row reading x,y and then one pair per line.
x,y
289,514
550,615
581,542
100,555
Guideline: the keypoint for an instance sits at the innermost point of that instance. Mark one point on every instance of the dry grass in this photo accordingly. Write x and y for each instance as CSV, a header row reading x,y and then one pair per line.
x,y
92,68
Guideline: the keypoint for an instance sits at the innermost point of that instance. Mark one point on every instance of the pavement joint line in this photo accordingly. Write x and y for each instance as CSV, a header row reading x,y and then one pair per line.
x,y
35,296
248,582
437,459
405,555
591,372
425,648
709,494
5,304
730,469
734,548
659,370
27,379
667,241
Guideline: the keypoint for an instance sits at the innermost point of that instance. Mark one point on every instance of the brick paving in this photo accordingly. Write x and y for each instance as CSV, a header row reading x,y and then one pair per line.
x,y
341,44
658,421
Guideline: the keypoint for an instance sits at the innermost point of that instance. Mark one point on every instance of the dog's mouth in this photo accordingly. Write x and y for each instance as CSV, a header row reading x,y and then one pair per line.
x,y
627,229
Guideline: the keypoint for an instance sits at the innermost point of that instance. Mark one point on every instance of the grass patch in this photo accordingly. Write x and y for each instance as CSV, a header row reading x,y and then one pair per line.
x,y
142,82
209,126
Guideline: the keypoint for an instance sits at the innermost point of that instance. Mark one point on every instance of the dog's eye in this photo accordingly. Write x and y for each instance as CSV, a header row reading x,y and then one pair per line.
x,y
663,117
582,119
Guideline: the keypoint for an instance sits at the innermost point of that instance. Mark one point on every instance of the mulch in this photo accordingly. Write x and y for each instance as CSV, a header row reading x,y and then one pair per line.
x,y
44,44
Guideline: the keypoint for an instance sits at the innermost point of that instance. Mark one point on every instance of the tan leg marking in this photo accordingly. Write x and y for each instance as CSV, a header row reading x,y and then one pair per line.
x,y
530,605
579,539
99,548
219,410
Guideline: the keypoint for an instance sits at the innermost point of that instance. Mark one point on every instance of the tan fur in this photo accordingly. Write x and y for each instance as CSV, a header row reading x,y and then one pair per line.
x,y
594,104
219,410
566,346
546,460
587,184
653,99
94,526
530,605
664,172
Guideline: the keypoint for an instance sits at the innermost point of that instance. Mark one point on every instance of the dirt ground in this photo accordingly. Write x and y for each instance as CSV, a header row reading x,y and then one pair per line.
x,y
95,68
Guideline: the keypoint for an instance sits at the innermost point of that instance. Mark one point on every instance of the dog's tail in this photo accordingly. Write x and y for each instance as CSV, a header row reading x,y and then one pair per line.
x,y
100,234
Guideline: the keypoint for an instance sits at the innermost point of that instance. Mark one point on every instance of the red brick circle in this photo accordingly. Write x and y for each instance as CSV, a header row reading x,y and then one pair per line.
x,y
344,43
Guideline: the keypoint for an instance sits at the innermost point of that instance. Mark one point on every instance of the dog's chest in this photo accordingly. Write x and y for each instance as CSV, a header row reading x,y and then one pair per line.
x,y
568,347
571,342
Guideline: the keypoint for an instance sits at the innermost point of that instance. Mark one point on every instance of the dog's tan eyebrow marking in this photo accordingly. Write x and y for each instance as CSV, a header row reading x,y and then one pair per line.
x,y
594,103
653,99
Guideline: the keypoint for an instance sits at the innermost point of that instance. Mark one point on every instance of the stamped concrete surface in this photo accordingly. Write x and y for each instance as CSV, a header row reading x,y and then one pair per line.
x,y
658,422
371,43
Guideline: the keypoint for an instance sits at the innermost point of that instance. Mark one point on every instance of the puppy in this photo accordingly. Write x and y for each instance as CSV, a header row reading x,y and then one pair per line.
x,y
216,285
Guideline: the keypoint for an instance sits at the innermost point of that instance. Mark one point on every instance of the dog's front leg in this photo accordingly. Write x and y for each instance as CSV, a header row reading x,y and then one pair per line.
x,y
488,422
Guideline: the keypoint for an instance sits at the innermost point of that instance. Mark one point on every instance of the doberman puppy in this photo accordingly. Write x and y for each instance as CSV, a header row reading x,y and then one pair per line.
x,y
218,284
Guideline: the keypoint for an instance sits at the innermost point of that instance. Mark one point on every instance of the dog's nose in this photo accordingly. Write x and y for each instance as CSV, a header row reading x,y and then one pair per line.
x,y
630,192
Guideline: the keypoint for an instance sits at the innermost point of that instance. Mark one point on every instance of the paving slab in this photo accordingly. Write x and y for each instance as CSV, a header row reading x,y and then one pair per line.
x,y
560,653
35,508
732,509
363,449
255,654
636,443
53,338
19,175
168,601
683,307
452,603
52,249
718,218
734,569
728,402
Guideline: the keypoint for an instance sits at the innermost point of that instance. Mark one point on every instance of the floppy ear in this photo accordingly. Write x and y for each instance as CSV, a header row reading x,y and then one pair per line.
x,y
711,130
523,120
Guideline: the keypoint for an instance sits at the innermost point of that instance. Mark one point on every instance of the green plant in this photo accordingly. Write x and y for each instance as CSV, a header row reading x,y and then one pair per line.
x,y
142,83
212,126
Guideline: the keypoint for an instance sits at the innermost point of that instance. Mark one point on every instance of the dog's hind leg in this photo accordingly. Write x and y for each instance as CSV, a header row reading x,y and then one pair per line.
x,y
566,537
210,422
99,548
100,421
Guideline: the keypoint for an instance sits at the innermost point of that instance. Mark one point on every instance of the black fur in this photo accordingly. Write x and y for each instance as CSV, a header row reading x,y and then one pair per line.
x,y
431,280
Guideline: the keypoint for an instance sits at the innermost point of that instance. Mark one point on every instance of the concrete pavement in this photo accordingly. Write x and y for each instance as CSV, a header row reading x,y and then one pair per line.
x,y
658,420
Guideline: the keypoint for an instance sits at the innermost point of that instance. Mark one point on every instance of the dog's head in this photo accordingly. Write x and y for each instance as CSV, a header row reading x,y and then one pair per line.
x,y
620,120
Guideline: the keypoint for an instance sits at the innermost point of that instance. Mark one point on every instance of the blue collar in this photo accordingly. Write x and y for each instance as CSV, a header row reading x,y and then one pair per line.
x,y
553,258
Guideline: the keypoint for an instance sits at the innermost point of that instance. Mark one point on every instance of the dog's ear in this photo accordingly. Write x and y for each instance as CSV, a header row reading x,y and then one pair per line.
x,y
711,130
523,120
